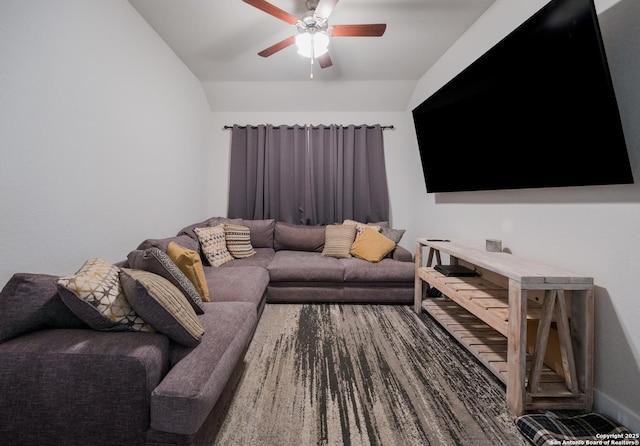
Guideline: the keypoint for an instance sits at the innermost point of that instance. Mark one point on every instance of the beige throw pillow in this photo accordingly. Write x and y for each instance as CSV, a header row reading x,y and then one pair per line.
x,y
360,226
214,245
238,240
162,305
338,240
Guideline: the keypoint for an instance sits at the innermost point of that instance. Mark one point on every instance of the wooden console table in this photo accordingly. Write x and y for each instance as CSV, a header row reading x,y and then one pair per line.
x,y
529,323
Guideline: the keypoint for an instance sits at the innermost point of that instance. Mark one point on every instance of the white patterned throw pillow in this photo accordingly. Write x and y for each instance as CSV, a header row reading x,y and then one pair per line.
x,y
214,245
95,295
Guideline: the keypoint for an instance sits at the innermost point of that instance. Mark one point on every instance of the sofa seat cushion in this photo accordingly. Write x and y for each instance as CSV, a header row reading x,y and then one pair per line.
x,y
79,386
182,401
241,284
303,266
387,270
262,257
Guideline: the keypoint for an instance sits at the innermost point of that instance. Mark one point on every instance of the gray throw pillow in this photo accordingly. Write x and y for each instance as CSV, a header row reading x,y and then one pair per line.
x,y
157,262
393,234
162,305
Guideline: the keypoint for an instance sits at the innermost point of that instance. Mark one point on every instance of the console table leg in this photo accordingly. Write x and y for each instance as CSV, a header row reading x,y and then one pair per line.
x,y
516,348
542,337
417,288
566,348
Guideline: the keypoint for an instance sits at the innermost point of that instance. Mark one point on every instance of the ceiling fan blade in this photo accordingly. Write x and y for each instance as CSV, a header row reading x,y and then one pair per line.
x,y
325,60
273,10
277,47
371,30
325,8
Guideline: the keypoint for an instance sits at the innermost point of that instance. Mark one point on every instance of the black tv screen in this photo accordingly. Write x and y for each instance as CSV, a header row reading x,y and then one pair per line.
x,y
536,110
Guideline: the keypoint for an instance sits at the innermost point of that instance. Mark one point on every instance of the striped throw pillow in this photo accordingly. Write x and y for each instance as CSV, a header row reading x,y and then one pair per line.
x,y
238,239
162,305
338,240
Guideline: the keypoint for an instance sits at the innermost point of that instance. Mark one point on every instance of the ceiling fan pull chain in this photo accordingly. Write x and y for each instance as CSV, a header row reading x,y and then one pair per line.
x,y
312,55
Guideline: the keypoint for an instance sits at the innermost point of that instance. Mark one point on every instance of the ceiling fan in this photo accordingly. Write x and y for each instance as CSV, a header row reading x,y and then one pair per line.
x,y
314,31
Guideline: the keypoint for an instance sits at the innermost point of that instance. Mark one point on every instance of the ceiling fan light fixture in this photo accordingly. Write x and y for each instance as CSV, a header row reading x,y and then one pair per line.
x,y
312,45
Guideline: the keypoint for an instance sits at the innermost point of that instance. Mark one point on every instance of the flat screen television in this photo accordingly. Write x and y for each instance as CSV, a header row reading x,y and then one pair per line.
x,y
536,110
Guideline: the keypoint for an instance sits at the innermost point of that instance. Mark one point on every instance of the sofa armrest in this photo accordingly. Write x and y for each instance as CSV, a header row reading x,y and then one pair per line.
x,y
402,254
79,386
186,396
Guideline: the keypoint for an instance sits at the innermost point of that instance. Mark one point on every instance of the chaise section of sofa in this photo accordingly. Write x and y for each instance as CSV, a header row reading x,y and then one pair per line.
x,y
181,402
63,383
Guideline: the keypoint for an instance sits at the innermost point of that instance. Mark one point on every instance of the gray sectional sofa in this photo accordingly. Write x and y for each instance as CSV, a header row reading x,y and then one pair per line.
x,y
64,383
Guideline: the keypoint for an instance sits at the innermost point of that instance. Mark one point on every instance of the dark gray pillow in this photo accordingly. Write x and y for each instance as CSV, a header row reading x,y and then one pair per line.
x,y
162,305
392,234
30,302
292,237
157,262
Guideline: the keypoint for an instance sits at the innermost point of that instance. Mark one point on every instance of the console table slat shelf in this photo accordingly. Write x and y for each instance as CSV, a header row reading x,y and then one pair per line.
x,y
489,315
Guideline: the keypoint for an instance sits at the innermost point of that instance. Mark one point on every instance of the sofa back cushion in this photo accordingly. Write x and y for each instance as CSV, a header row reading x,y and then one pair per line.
x,y
261,232
163,243
30,302
292,237
213,221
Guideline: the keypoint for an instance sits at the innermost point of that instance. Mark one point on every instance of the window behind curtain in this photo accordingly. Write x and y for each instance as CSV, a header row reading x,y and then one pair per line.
x,y
308,175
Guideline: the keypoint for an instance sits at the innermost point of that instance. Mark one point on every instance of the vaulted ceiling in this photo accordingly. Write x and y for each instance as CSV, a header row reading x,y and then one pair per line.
x,y
219,39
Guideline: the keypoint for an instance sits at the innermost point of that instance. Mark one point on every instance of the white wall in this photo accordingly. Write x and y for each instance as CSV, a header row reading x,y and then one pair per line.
x,y
590,230
103,135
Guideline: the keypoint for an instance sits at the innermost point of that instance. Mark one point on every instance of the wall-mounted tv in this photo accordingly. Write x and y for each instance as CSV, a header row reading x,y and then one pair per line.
x,y
536,110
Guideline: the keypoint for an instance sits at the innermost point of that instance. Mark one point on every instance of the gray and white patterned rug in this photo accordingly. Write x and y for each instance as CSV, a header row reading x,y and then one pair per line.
x,y
329,374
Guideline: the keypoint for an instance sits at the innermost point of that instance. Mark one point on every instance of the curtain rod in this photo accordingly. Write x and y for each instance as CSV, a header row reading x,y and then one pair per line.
x,y
383,127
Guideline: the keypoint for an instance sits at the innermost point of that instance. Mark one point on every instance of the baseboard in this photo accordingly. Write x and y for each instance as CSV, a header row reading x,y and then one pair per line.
x,y
623,415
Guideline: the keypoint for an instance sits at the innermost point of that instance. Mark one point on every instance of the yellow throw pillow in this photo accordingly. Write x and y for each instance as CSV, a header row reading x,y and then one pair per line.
x,y
371,246
188,261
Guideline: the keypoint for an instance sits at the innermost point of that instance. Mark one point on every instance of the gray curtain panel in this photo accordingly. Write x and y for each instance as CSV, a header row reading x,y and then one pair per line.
x,y
312,175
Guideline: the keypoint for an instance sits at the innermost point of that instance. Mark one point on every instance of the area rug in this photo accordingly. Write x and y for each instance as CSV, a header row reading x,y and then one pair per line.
x,y
329,374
